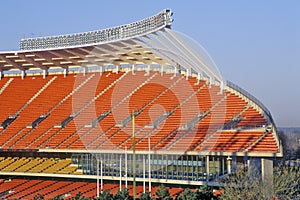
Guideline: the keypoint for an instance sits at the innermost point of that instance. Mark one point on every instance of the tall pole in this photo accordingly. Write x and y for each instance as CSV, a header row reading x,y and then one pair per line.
x,y
101,174
149,159
120,173
126,175
98,190
133,156
144,174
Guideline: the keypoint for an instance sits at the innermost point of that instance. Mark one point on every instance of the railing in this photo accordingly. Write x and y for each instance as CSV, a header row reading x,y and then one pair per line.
x,y
251,97
151,24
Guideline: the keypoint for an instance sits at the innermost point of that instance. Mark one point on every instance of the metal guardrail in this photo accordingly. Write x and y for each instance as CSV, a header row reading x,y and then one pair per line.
x,y
147,25
251,97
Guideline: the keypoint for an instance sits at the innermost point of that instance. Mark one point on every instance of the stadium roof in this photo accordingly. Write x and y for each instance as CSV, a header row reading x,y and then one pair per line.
x,y
149,41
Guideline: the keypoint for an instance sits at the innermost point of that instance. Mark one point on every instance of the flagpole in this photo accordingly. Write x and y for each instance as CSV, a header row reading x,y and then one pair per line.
x,y
149,159
126,175
133,156
98,190
101,174
120,173
144,174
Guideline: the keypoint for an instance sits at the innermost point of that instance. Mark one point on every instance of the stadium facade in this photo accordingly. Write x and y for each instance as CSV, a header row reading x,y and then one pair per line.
x,y
138,103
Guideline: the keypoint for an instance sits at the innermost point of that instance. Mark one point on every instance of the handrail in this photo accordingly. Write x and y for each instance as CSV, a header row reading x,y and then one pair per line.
x,y
251,97
142,27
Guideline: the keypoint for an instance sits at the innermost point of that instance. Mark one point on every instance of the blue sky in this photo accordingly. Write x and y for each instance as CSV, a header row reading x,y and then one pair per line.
x,y
255,44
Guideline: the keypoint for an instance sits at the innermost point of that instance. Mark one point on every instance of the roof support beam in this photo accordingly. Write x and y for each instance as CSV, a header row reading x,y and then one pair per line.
x,y
30,60
190,53
75,62
94,53
48,58
117,56
11,63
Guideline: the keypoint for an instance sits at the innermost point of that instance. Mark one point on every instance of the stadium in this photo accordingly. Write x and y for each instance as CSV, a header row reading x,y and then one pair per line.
x,y
132,106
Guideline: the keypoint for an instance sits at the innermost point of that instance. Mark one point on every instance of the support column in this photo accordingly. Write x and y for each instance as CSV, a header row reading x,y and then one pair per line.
x,y
45,73
118,68
101,70
267,176
22,74
1,75
148,69
133,68
229,165
176,69
222,87
162,70
188,73
207,168
199,77
84,71
65,72
211,81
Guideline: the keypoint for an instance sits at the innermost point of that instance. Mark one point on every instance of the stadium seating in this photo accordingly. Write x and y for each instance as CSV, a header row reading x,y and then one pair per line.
x,y
29,188
38,165
83,98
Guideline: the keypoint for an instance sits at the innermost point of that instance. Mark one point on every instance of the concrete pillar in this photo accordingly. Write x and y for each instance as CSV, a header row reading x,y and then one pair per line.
x,y
176,70
188,73
101,70
162,70
211,81
23,74
84,71
267,176
222,87
207,168
229,165
133,68
199,77
65,72
1,75
148,69
118,68
45,73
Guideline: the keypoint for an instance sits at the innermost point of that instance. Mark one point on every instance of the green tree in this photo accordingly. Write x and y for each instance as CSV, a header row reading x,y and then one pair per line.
x,y
105,195
240,186
187,194
205,192
145,196
287,182
163,193
122,195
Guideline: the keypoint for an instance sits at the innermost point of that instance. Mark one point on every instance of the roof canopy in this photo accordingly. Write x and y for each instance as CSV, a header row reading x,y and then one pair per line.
x,y
149,41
